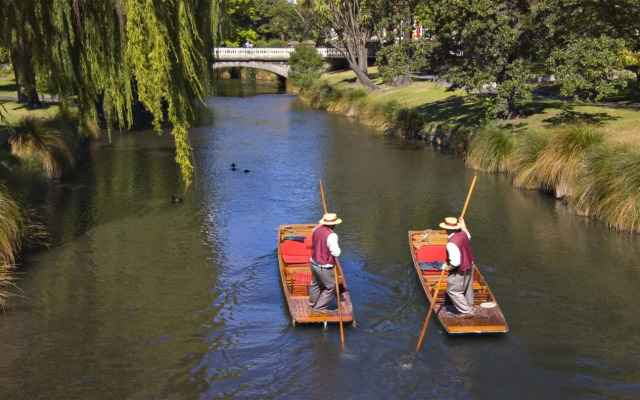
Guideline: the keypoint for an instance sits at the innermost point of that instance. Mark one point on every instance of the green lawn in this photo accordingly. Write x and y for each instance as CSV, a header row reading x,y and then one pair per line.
x,y
620,124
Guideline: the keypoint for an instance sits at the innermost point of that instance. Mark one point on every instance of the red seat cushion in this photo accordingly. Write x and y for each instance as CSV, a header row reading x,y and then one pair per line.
x,y
431,253
295,252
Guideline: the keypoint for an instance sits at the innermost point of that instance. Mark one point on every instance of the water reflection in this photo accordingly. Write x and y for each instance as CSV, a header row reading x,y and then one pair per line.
x,y
140,297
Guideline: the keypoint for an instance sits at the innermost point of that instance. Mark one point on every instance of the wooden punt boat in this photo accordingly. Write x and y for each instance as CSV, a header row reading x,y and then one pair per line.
x,y
294,250
427,248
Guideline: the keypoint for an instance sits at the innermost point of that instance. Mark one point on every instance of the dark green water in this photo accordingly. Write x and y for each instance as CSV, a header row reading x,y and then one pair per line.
x,y
140,298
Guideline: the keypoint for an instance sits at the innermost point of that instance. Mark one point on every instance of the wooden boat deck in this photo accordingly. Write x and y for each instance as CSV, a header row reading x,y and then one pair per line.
x,y
485,320
295,277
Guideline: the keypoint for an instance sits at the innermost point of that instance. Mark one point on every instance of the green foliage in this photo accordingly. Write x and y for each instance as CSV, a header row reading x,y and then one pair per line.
x,y
5,55
588,68
486,37
306,66
393,59
118,52
284,20
513,90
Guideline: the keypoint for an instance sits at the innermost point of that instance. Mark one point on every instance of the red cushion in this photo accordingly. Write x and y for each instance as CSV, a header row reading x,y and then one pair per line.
x,y
294,252
431,253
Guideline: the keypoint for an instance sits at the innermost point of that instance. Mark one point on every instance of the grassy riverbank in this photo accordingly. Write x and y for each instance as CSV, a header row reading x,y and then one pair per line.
x,y
587,155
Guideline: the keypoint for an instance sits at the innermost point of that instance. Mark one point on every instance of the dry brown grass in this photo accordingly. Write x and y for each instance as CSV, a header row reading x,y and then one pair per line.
x,y
562,160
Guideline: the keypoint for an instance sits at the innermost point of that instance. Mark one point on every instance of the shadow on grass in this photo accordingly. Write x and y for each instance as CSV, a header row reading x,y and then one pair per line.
x,y
43,106
9,87
453,109
567,116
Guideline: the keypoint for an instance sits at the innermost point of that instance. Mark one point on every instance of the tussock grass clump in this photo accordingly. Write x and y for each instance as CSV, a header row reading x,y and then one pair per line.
x,y
353,97
490,149
11,227
562,160
610,187
33,140
380,114
408,122
323,96
353,102
527,149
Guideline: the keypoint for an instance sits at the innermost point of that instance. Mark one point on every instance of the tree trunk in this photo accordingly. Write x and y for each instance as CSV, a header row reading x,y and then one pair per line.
x,y
404,79
24,73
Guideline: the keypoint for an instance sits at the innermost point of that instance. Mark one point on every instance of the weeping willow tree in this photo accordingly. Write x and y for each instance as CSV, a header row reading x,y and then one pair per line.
x,y
116,52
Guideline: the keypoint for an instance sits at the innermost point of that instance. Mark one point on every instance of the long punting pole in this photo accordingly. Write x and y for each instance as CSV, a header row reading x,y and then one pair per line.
x,y
324,205
435,294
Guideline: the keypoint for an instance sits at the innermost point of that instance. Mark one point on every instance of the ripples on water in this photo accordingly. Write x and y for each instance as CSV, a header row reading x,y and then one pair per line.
x,y
142,298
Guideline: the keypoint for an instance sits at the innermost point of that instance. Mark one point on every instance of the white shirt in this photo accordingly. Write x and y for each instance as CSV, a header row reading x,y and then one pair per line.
x,y
332,242
454,251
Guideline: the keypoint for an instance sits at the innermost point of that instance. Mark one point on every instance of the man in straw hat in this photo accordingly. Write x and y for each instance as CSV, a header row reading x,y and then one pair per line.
x,y
324,250
460,266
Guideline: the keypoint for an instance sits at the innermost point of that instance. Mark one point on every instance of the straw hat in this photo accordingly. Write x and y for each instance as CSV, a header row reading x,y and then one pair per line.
x,y
330,219
450,223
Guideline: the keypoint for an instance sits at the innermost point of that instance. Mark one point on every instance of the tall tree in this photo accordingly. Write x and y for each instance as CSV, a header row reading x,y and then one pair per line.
x,y
395,23
480,43
348,26
20,29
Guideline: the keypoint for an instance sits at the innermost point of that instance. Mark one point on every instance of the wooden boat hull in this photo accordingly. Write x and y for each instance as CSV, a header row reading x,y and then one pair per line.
x,y
488,317
295,275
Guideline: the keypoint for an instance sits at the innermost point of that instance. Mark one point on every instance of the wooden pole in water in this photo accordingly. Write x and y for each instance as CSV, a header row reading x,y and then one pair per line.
x,y
335,273
435,294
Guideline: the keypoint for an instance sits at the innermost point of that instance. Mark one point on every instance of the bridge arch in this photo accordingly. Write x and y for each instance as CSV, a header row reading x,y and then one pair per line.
x,y
281,69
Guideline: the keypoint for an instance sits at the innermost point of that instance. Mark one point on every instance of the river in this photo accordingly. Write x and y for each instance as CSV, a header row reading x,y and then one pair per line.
x,y
142,298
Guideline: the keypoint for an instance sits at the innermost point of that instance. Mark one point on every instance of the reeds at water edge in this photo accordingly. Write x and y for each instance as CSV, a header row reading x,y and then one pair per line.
x,y
34,141
609,189
490,149
10,235
527,149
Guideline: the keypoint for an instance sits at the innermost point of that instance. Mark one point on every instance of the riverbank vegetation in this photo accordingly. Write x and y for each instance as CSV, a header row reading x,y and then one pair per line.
x,y
587,155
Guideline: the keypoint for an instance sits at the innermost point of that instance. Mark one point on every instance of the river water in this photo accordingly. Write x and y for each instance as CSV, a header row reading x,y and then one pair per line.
x,y
141,298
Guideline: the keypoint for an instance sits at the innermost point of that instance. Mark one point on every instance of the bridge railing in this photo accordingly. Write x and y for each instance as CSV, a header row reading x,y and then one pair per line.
x,y
266,53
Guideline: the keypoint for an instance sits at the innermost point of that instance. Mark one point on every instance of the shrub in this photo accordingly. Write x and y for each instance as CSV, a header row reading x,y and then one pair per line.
x,y
306,66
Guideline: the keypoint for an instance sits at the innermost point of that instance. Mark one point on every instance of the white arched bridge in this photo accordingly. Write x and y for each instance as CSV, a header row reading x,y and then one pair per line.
x,y
273,59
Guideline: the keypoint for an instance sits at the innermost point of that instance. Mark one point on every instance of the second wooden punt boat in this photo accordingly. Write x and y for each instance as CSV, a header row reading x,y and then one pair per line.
x,y
294,250
428,248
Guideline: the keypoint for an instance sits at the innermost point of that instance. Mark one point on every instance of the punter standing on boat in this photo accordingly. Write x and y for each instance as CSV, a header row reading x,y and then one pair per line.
x,y
324,250
460,266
